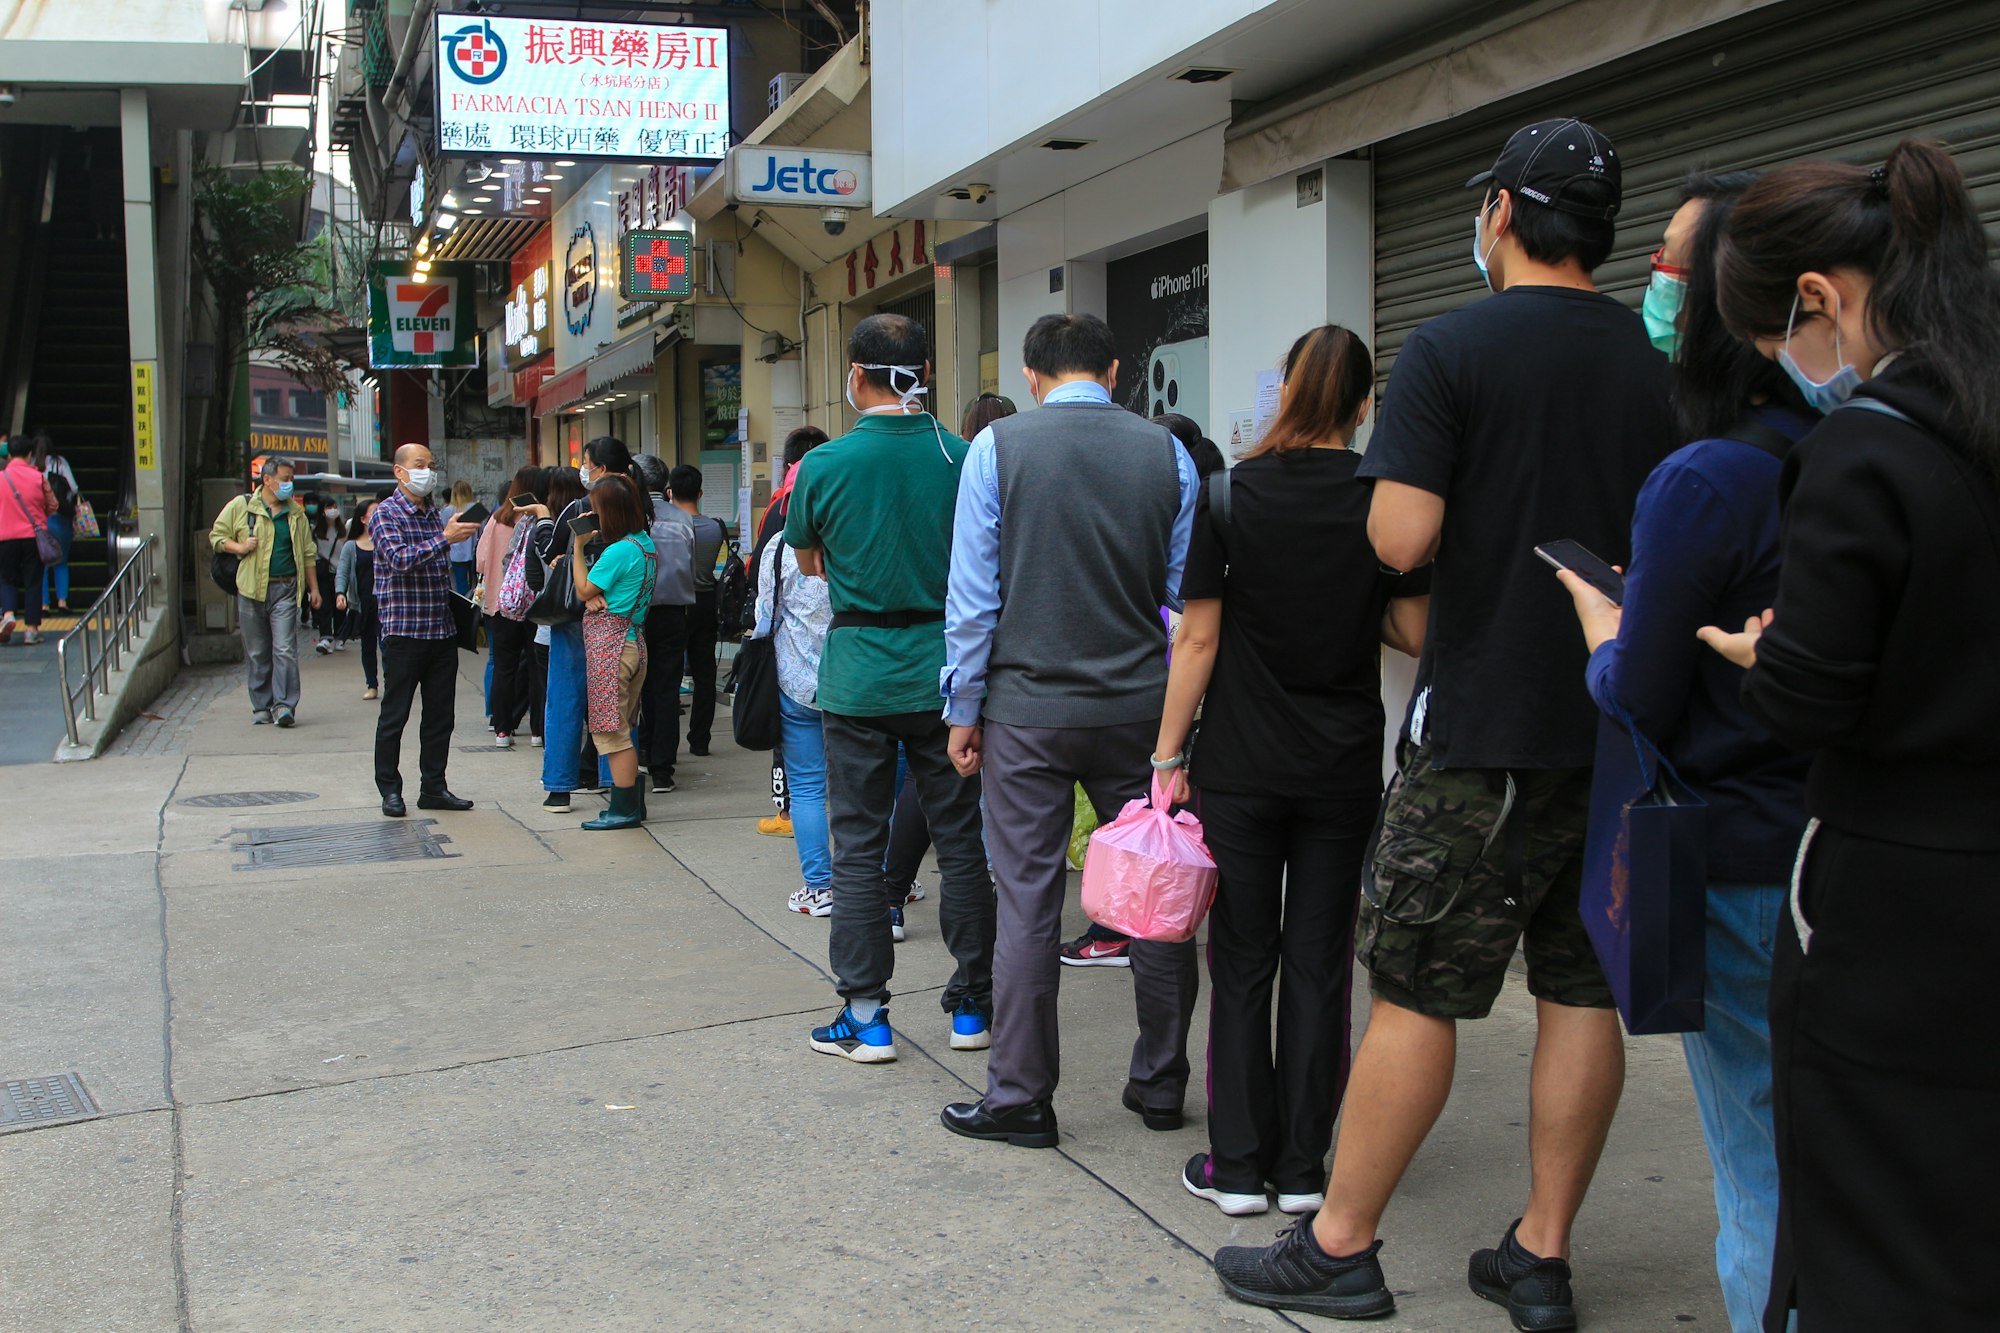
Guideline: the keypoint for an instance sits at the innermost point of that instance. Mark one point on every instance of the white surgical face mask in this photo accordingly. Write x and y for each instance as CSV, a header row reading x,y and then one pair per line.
x,y
906,395
585,473
421,480
1481,254
1822,395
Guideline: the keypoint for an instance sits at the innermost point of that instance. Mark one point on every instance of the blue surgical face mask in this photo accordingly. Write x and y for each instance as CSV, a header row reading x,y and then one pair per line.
x,y
284,490
1661,310
1838,387
1480,254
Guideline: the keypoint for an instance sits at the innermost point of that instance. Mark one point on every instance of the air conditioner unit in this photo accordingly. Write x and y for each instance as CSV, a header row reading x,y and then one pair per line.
x,y
783,86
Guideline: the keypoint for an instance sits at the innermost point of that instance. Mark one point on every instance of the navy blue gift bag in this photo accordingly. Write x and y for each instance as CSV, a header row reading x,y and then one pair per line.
x,y
1645,883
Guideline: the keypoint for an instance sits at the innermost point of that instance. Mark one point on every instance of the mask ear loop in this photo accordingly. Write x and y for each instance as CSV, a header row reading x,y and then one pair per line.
x,y
908,400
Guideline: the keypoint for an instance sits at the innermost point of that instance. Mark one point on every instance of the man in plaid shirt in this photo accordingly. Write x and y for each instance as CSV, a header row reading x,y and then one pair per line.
x,y
419,640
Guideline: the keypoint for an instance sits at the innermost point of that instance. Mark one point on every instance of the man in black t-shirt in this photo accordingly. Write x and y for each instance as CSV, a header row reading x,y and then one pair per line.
x,y
1524,418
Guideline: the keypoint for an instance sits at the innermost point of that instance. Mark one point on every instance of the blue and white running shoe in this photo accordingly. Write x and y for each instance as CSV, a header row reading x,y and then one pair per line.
x,y
971,1029
870,1043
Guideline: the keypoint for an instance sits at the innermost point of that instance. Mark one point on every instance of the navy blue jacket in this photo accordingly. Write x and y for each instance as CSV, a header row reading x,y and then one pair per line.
x,y
1705,552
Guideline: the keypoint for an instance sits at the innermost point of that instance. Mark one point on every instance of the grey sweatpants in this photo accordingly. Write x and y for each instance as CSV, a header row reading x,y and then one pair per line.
x,y
271,645
1030,774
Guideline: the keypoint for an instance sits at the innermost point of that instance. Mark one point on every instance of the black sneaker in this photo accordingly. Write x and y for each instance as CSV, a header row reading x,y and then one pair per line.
x,y
556,803
1294,1275
662,784
1535,1290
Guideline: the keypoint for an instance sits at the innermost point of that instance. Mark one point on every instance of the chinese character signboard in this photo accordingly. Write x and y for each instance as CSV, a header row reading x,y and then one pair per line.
x,y
575,89
526,333
421,319
656,266
145,416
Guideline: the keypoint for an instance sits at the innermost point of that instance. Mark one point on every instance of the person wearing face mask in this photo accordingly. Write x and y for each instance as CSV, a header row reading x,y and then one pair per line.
x,y
1873,292
1529,416
871,513
1705,552
269,531
419,641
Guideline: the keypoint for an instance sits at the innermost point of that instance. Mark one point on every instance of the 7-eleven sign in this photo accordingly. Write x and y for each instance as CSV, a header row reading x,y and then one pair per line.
x,y
420,319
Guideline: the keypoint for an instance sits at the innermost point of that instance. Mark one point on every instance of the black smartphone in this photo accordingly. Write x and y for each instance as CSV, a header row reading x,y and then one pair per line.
x,y
523,499
1579,560
473,513
583,524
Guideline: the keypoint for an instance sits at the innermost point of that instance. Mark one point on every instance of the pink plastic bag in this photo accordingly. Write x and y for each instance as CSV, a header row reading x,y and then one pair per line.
x,y
1148,874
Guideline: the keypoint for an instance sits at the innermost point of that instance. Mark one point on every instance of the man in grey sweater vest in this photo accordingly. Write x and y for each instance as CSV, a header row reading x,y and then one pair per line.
x,y
1081,513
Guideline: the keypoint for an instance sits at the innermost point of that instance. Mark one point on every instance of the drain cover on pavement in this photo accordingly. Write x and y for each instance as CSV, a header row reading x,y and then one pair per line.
x,y
52,1099
231,800
376,841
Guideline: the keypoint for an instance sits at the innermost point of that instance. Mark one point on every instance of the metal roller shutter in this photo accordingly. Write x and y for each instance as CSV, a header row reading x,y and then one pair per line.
x,y
1792,81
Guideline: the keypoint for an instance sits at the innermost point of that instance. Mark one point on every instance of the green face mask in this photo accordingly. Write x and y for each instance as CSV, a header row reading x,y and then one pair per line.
x,y
1662,310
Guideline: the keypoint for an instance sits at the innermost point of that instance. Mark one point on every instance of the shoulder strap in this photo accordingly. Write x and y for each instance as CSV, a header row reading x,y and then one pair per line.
x,y
1876,405
1750,431
1218,502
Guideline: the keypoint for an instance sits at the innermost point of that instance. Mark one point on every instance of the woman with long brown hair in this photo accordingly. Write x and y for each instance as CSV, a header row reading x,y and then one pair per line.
x,y
1873,291
616,590
1285,609
512,642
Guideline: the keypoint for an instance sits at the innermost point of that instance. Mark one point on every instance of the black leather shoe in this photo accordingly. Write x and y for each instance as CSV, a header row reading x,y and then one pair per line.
x,y
1030,1126
442,799
1156,1117
392,805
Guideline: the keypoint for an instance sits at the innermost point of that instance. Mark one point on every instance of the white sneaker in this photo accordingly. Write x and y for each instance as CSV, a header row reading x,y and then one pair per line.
x,y
502,741
323,647
1301,1203
809,901
535,743
1194,1178
916,892
340,645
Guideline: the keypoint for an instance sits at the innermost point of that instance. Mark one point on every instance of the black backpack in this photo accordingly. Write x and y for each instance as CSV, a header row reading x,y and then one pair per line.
x,y
64,492
222,566
735,599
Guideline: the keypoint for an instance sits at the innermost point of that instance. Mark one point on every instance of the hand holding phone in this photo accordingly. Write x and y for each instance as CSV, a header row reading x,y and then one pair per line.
x,y
1579,560
583,524
474,513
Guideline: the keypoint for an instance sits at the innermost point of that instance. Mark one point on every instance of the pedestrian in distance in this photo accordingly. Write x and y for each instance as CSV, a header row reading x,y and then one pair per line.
x,y
616,589
794,611
270,533
510,644
1289,767
1705,552
983,411
799,441
703,628
462,552
354,595
1532,415
1872,290
1072,531
328,538
26,506
565,738
62,523
419,634
871,512
666,626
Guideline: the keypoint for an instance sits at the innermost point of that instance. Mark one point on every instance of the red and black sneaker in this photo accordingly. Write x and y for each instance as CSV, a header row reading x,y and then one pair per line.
x,y
1089,951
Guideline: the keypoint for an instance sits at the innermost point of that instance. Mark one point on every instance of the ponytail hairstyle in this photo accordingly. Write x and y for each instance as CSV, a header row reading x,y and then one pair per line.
x,y
609,454
1911,226
1328,377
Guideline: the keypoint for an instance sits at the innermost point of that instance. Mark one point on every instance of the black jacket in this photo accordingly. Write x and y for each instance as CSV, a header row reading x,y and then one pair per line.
x,y
1884,657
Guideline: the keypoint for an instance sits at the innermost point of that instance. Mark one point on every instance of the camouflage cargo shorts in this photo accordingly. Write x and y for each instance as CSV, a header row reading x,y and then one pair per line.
x,y
1439,920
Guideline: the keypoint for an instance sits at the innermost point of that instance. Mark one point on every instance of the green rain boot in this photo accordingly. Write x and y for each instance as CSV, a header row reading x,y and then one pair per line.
x,y
624,811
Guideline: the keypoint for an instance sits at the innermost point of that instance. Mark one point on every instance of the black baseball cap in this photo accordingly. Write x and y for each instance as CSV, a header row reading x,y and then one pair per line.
x,y
1562,164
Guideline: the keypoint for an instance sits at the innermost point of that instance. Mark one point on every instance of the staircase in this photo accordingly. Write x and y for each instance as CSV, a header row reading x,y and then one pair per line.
x,y
80,391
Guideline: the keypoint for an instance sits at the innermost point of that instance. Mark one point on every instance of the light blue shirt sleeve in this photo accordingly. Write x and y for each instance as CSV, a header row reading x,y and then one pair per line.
x,y
972,600
1177,548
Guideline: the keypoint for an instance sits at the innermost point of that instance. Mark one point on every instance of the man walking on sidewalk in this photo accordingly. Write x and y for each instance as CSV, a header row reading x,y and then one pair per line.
x,y
1532,415
268,531
1072,530
871,513
419,639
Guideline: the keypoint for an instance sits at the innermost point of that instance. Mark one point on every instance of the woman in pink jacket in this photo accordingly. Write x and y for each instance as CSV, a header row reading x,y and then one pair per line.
x,y
25,505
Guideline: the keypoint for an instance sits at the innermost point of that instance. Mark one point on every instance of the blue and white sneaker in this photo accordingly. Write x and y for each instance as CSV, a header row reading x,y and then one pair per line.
x,y
896,930
971,1029
870,1043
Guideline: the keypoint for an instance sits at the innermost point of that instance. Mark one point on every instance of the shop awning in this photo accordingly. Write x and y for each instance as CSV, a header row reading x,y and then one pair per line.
x,y
629,357
559,391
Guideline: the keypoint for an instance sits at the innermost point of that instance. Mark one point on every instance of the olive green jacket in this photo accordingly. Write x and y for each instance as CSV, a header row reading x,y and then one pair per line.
x,y
250,512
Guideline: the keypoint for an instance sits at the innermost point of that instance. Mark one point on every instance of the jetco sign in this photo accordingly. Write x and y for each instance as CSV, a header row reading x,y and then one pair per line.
x,y
806,177
572,89
421,319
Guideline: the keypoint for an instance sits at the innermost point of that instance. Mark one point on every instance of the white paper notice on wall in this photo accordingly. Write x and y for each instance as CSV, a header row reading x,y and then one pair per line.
x,y
1242,432
1267,401
718,491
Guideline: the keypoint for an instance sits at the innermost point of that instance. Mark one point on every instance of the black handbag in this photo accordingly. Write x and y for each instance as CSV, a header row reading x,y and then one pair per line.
x,y
557,602
753,714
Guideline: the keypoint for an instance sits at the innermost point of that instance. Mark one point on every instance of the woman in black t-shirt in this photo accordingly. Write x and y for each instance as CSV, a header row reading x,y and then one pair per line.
x,y
1285,608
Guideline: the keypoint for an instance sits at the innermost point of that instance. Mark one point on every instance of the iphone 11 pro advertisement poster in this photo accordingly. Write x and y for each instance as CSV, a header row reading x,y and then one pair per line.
x,y
1157,304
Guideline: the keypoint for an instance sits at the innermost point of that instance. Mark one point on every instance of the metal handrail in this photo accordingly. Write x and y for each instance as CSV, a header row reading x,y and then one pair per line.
x,y
109,629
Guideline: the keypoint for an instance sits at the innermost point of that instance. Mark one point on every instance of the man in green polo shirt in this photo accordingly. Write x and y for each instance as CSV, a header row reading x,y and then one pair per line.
x,y
872,513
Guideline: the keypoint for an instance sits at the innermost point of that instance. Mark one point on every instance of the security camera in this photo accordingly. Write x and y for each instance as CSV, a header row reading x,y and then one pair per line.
x,y
9,94
978,192
834,220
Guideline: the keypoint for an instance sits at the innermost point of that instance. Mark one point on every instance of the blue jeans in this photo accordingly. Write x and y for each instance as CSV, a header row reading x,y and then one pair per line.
x,y
804,744
65,532
1730,1062
563,721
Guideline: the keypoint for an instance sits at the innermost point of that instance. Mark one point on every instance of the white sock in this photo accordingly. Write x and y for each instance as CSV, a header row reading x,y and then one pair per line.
x,y
864,1011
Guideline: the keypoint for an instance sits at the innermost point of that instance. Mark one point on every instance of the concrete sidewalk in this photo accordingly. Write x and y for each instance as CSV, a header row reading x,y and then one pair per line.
x,y
554,1079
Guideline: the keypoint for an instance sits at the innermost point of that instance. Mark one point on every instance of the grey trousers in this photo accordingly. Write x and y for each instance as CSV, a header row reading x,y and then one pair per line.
x,y
860,796
1030,774
271,645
